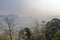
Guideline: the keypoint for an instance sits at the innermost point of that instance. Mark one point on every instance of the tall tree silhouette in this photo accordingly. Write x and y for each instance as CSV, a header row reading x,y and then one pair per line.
x,y
51,28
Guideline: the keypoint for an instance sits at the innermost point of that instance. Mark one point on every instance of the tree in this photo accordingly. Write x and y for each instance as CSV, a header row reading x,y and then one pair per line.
x,y
37,26
56,36
21,32
10,28
51,28
39,32
28,33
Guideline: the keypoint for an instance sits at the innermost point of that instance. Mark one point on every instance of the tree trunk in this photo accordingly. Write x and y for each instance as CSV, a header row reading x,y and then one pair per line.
x,y
19,37
10,36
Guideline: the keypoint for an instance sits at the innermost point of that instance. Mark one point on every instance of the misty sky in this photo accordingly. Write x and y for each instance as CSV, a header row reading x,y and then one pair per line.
x,y
38,8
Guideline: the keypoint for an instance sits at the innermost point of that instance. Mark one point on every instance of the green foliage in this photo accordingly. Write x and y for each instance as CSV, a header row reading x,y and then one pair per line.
x,y
51,28
28,32
56,36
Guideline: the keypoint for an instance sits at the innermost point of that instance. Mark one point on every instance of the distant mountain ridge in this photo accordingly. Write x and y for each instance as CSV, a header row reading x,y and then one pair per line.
x,y
20,21
24,21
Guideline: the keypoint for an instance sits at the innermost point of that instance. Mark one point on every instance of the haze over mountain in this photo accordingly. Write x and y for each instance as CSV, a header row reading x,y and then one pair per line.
x,y
24,21
19,21
36,8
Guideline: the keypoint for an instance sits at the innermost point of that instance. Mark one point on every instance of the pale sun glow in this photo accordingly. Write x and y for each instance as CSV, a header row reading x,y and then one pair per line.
x,y
53,5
